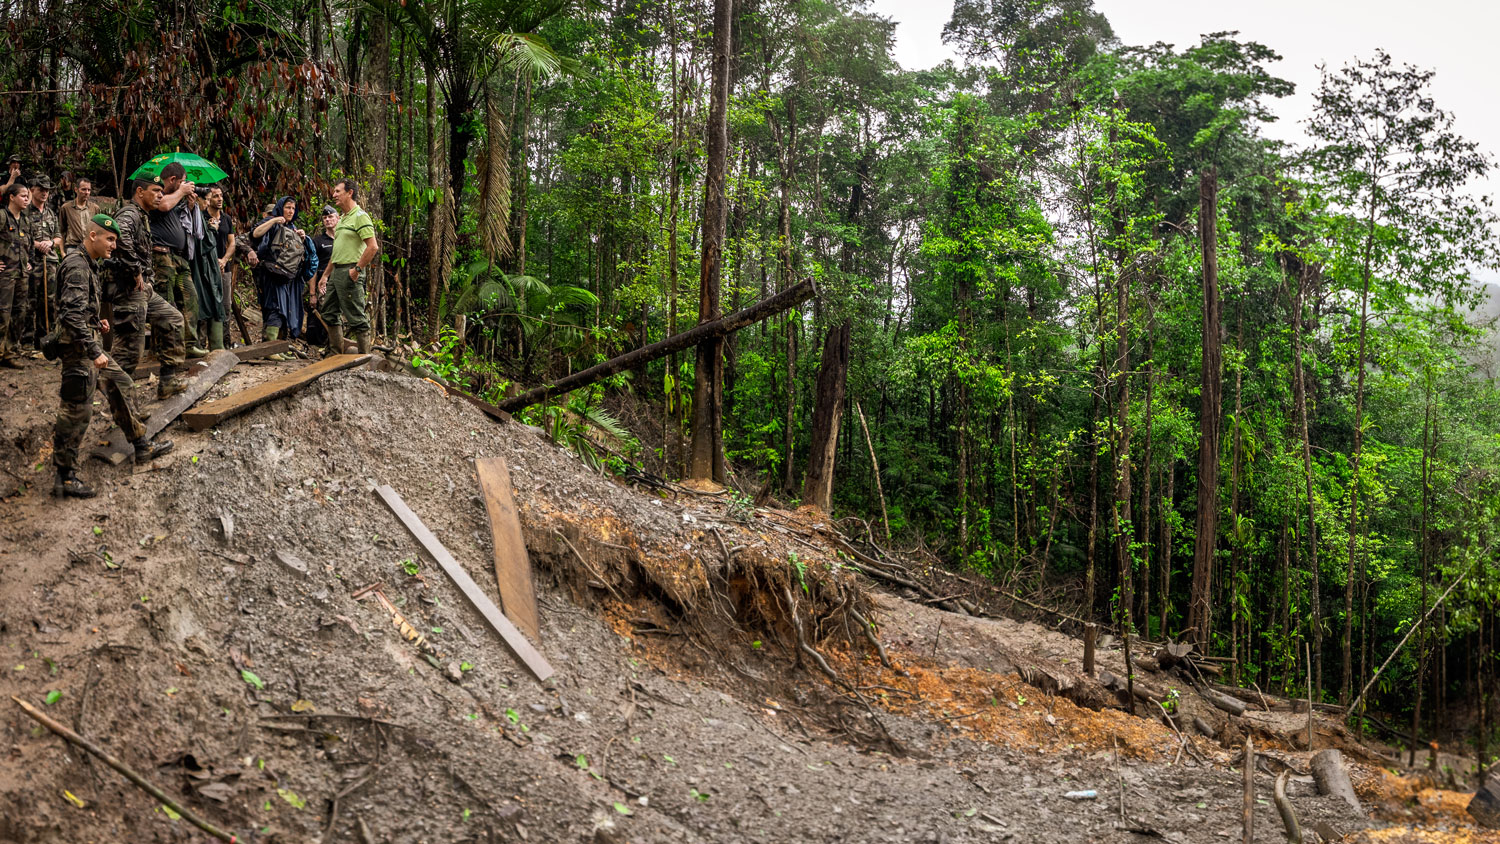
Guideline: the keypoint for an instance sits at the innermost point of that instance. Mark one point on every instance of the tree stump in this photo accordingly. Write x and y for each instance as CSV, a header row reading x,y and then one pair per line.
x,y
1484,807
1332,778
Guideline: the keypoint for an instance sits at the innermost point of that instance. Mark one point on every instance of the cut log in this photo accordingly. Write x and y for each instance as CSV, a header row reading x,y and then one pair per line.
x,y
1224,702
1484,806
233,405
512,566
1143,692
785,300
217,363
1333,778
1249,696
1202,727
513,638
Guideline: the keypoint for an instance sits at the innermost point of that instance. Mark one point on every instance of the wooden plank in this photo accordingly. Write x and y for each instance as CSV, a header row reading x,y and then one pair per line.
x,y
512,565
215,412
216,365
513,638
257,351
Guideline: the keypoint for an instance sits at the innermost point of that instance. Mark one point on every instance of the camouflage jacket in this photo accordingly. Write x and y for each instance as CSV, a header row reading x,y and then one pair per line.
x,y
45,225
15,240
78,304
133,256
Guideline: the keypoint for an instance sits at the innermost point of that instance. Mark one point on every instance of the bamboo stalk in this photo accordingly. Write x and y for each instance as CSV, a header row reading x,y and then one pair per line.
x,y
124,771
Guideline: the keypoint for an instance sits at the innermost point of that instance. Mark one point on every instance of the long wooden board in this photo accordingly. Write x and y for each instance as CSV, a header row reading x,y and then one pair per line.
x,y
512,566
513,638
244,353
216,365
232,405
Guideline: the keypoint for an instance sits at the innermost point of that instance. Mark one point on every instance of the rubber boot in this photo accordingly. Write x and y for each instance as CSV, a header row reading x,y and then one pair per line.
x,y
69,486
271,333
335,339
365,341
215,336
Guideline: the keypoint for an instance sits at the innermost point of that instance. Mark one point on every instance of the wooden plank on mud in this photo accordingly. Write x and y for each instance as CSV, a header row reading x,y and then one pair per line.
x,y
512,566
257,351
232,405
215,366
513,638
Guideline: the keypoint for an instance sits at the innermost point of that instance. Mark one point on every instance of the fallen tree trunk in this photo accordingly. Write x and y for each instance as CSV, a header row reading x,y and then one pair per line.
x,y
1224,702
785,300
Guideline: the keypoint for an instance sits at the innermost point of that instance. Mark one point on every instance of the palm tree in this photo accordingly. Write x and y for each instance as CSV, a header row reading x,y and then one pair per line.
x,y
463,44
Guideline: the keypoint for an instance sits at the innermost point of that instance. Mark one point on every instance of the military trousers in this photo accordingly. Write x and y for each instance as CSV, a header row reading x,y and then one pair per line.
x,y
12,287
129,318
174,281
80,378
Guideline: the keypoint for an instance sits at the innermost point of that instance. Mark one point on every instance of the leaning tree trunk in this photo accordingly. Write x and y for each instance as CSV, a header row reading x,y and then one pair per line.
x,y
817,491
707,456
1200,611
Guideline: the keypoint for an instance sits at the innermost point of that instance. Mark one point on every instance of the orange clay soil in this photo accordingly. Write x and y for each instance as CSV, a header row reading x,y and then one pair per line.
x,y
1002,710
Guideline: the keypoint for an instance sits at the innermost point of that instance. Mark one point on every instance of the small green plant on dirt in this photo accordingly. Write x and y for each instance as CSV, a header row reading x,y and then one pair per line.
x,y
741,507
800,568
409,565
700,796
1173,698
446,360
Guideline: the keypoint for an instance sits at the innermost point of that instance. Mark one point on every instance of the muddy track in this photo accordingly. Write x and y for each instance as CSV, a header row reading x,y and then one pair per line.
x,y
682,710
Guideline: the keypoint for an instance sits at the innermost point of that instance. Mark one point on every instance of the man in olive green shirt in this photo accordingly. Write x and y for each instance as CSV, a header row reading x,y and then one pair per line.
x,y
354,248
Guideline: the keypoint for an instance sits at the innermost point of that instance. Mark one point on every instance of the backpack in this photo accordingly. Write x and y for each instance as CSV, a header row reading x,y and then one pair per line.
x,y
281,252
310,261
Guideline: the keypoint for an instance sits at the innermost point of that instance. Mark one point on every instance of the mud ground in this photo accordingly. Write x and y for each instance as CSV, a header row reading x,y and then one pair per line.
x,y
232,666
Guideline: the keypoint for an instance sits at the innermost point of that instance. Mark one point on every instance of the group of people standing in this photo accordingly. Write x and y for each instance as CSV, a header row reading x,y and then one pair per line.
x,y
89,287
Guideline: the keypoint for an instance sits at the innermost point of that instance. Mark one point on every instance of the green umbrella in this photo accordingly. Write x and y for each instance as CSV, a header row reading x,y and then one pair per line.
x,y
199,169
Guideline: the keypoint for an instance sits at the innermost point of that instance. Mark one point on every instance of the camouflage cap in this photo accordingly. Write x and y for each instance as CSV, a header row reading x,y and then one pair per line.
x,y
15,158
106,222
41,182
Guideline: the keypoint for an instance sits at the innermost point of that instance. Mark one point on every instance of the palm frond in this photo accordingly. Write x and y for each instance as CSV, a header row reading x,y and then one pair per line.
x,y
529,55
566,295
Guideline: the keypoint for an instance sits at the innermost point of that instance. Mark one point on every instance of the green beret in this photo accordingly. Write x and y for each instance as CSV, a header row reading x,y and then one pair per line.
x,y
106,222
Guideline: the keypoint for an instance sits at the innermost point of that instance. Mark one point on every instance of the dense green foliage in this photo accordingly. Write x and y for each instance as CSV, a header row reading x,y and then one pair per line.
x,y
1016,243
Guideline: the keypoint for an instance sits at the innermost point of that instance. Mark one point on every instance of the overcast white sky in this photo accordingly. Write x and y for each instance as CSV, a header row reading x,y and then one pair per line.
x,y
1457,38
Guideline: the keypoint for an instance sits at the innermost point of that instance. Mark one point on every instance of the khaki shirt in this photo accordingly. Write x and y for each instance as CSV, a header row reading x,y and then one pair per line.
x,y
75,221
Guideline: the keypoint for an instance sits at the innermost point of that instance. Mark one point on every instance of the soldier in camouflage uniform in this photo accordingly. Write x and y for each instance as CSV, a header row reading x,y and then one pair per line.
x,y
134,302
84,363
46,241
15,249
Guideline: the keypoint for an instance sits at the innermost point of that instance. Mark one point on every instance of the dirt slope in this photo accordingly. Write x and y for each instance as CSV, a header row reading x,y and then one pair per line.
x,y
282,708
